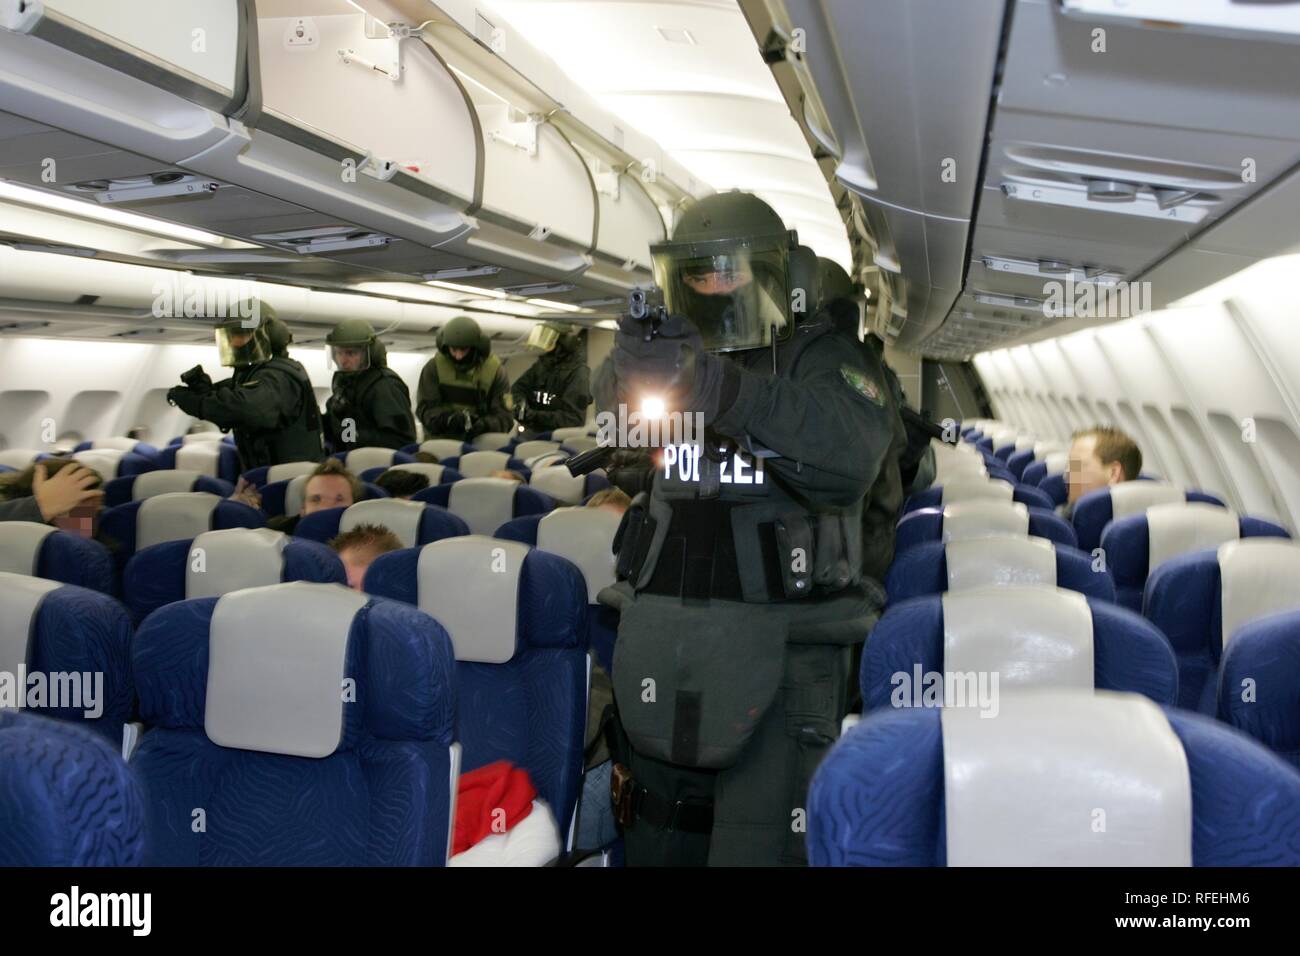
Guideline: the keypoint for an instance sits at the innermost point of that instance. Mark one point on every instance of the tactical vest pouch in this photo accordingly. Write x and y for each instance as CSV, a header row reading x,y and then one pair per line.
x,y
831,570
795,554
692,683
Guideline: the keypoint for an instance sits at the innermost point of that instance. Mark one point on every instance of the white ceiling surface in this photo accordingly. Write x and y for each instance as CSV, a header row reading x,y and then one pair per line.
x,y
1159,107
712,105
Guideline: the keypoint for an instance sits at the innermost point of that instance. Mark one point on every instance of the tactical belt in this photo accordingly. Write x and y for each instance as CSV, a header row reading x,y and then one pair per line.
x,y
634,802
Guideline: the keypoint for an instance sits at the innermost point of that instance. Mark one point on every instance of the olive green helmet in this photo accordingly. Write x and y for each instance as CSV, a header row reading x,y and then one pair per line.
x,y
278,335
463,332
244,337
835,282
727,269
546,336
350,346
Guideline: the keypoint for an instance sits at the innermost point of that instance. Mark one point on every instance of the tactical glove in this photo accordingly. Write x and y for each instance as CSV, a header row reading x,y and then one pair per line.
x,y
674,362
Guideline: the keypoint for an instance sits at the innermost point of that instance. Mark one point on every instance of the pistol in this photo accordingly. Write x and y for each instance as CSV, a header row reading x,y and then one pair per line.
x,y
647,307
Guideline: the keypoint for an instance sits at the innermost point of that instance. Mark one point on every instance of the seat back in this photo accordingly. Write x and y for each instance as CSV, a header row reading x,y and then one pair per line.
x,y
78,639
485,504
150,484
436,474
217,562
936,566
492,441
18,458
235,691
1095,510
480,464
1152,787
171,517
531,449
28,547
215,458
1138,543
517,620
1199,600
442,448
564,434
415,522
580,443
1259,683
66,797
978,645
564,487
103,461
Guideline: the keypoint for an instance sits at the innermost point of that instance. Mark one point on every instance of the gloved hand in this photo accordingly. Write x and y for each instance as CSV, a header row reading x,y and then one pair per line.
x,y
449,423
186,399
473,425
197,379
675,363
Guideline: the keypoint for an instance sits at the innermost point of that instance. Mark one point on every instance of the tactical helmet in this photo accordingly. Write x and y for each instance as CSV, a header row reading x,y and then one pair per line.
x,y
553,335
805,285
350,346
243,338
463,332
726,268
278,335
834,281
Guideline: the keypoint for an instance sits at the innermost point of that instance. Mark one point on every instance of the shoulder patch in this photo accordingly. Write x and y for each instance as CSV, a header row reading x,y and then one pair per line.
x,y
861,382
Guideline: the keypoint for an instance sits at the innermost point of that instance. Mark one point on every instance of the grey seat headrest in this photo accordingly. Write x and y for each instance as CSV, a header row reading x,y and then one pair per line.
x,y
203,457
200,437
441,448
398,515
492,440
104,462
562,434
20,545
984,518
480,464
1066,778
484,504
363,459
223,561
150,484
559,484
277,660
1184,526
470,585
581,443
586,537
1026,636
294,493
173,516
1000,561
963,488
1258,576
1056,461
1134,497
122,444
531,449
18,457
290,469
20,598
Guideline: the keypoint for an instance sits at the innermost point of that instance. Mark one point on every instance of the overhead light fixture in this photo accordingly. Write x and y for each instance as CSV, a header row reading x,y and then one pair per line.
x,y
471,290
115,217
461,272
548,304
1109,190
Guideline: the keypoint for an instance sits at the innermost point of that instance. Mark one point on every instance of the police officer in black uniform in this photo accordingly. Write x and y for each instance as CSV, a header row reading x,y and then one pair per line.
x,y
371,405
742,592
556,390
268,402
463,387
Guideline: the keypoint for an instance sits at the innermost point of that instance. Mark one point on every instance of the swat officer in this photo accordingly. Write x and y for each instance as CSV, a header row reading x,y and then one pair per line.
x,y
742,592
916,458
370,405
268,402
463,387
556,390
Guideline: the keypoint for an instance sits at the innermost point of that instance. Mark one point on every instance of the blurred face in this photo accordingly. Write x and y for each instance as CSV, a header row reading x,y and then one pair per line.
x,y
349,359
81,520
720,283
326,491
356,561
458,354
1085,471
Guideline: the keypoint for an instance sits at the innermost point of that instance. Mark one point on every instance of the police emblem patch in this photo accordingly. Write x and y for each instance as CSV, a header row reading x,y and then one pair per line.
x,y
860,383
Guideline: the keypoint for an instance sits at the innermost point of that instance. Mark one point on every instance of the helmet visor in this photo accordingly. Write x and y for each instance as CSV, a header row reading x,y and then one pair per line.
x,y
237,345
735,298
542,338
347,358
